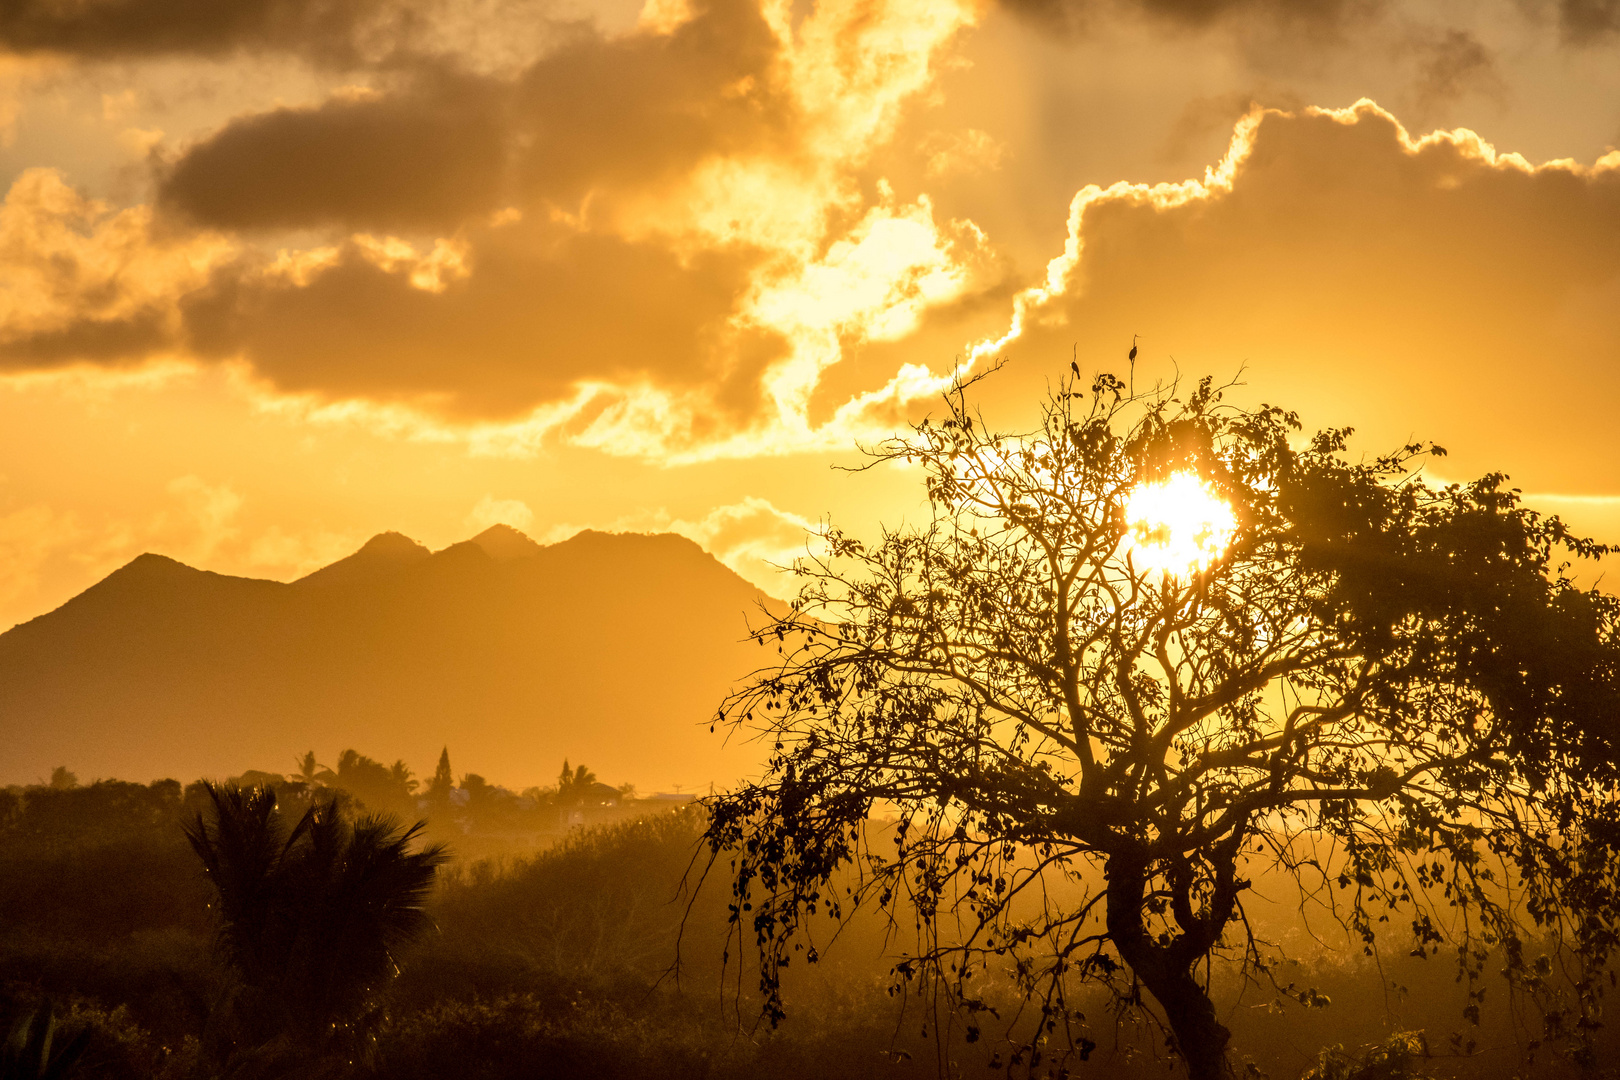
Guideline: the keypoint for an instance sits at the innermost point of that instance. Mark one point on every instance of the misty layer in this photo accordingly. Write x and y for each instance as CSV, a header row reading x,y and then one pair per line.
x,y
562,956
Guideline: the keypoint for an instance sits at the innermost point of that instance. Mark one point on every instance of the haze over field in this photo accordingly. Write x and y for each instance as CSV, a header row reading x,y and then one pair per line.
x,y
275,281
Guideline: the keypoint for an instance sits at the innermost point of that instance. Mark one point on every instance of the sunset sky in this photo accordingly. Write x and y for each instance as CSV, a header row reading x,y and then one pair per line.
x,y
277,275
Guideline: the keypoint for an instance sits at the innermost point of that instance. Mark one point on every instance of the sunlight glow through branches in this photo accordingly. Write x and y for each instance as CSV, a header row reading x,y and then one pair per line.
x,y
1178,525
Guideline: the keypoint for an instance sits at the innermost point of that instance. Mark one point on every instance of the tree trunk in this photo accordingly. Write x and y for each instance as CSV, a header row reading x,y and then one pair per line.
x,y
1167,972
1200,1038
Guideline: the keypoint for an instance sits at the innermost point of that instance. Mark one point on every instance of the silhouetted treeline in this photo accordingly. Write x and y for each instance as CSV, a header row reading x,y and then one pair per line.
x,y
557,963
482,818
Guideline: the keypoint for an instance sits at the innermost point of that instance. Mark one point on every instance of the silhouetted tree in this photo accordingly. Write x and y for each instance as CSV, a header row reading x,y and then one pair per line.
x,y
443,782
574,784
401,775
376,785
309,770
310,913
62,779
479,791
1393,691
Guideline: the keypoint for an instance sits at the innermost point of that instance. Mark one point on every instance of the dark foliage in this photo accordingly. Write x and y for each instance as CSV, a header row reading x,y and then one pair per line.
x,y
598,915
522,1036
1395,1059
36,1049
384,788
310,914
70,842
556,964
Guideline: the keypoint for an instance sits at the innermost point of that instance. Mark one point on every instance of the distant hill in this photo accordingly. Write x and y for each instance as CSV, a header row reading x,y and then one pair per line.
x,y
608,649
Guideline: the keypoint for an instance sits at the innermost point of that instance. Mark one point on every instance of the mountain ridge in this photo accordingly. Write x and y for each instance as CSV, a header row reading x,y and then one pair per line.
x,y
514,658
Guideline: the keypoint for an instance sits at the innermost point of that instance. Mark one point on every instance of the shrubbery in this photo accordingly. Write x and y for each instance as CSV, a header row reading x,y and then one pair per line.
x,y
522,1035
558,965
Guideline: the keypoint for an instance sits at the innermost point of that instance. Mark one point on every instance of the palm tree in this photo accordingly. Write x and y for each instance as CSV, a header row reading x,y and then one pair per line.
x,y
573,783
361,891
400,774
309,769
245,853
311,914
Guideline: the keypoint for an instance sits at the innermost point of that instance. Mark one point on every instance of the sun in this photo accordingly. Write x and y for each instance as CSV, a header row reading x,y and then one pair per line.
x,y
1178,525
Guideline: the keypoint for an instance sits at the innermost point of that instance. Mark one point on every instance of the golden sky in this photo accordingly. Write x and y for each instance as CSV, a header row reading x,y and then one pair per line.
x,y
277,275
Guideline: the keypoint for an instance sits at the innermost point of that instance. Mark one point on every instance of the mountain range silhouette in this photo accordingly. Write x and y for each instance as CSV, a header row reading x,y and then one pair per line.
x,y
611,649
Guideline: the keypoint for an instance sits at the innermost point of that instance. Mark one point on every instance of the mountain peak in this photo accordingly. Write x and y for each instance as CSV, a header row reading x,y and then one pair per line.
x,y
145,571
150,564
392,545
503,543
381,555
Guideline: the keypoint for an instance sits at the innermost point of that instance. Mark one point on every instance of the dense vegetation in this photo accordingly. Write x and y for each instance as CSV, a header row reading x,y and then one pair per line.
x,y
558,963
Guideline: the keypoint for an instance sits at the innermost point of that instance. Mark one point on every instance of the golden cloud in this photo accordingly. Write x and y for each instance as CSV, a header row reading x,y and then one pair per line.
x,y
651,243
1425,285
81,282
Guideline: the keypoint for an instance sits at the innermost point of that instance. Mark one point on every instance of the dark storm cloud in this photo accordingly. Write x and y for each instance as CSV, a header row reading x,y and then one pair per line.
x,y
535,308
569,241
106,29
1075,15
631,109
1581,22
596,112
423,158
1587,22
532,316
127,339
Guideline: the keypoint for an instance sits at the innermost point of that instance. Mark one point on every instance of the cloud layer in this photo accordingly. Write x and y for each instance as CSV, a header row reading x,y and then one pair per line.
x,y
680,241
653,240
